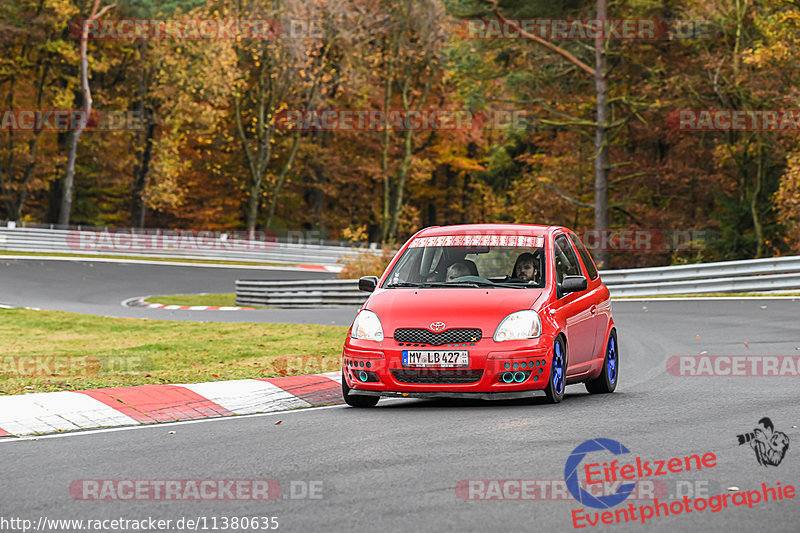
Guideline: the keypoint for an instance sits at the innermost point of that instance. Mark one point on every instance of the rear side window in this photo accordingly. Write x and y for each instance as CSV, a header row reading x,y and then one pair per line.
x,y
584,253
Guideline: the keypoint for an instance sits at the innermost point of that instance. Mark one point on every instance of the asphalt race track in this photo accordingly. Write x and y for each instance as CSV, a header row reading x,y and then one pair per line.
x,y
406,464
98,288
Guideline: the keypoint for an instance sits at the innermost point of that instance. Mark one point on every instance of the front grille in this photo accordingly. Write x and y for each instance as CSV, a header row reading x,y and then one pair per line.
x,y
440,376
450,336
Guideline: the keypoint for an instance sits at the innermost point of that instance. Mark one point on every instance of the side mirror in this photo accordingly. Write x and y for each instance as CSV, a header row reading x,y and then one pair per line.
x,y
574,284
368,283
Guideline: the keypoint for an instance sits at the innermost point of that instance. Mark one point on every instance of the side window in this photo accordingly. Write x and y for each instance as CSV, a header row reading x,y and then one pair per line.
x,y
565,258
585,257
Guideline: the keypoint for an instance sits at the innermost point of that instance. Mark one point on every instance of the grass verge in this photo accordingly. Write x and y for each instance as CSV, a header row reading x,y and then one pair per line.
x,y
221,299
43,351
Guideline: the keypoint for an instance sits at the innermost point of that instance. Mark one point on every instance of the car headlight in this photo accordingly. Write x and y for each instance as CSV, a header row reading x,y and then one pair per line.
x,y
367,326
519,325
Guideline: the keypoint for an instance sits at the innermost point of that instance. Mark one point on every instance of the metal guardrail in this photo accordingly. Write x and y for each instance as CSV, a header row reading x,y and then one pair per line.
x,y
310,293
756,275
169,244
752,275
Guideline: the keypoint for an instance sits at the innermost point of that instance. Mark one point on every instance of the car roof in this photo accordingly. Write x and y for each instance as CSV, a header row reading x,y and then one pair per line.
x,y
489,229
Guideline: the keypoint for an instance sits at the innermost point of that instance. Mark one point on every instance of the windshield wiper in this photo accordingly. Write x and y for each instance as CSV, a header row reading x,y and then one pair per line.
x,y
514,285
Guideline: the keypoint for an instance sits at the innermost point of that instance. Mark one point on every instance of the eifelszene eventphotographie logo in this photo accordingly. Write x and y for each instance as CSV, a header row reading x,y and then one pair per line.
x,y
615,473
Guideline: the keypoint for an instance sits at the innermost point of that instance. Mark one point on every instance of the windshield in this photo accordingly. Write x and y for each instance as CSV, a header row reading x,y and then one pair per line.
x,y
442,262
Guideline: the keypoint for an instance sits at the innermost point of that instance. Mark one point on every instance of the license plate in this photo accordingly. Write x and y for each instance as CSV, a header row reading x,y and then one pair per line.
x,y
442,358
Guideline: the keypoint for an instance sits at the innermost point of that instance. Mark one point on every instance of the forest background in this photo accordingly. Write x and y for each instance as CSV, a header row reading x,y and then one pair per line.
x,y
576,132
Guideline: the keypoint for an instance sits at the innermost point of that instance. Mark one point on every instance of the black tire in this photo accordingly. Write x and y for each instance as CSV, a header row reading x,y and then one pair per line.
x,y
556,383
357,400
607,381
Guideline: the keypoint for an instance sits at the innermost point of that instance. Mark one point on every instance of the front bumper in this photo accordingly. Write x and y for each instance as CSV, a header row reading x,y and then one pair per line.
x,y
466,395
376,369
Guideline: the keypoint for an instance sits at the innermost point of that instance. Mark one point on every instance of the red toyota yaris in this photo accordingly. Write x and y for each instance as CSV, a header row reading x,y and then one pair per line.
x,y
490,311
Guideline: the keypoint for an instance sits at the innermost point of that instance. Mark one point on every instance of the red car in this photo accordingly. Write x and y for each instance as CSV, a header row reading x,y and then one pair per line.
x,y
489,311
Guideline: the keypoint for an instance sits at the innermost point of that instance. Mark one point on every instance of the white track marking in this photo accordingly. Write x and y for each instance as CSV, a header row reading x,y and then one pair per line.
x,y
247,396
28,414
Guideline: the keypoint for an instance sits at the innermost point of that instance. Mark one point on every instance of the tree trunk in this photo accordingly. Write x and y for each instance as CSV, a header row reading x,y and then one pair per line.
x,y
600,139
140,172
400,184
387,135
273,203
757,226
144,150
65,209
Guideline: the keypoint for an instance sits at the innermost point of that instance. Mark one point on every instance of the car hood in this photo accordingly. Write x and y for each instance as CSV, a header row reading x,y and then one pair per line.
x,y
457,308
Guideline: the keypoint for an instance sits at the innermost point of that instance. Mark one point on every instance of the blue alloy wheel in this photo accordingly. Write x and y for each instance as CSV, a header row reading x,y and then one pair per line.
x,y
554,391
558,368
607,380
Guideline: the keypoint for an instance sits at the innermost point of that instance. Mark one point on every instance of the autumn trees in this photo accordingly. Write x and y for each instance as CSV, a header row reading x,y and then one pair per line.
x,y
595,148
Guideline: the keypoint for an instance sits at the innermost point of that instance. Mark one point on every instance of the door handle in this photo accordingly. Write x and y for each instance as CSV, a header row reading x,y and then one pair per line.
x,y
593,309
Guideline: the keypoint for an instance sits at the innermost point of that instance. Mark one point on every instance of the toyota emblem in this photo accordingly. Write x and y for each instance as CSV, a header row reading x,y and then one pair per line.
x,y
437,326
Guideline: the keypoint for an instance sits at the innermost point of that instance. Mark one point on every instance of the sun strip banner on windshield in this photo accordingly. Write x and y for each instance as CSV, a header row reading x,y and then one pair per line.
x,y
479,240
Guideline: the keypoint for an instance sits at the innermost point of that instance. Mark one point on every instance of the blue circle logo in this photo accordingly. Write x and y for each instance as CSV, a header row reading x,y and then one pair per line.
x,y
571,474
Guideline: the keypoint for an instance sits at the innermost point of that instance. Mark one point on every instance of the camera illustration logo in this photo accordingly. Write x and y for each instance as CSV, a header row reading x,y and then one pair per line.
x,y
769,445
571,474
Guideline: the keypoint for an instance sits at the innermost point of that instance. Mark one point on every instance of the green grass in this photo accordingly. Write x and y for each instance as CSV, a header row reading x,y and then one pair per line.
x,y
4,253
224,299
76,352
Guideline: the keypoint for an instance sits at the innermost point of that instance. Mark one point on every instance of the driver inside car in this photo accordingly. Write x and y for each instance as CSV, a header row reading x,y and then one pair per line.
x,y
457,270
525,268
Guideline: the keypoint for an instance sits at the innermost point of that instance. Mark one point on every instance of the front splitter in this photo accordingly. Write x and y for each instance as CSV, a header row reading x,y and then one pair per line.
x,y
463,395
